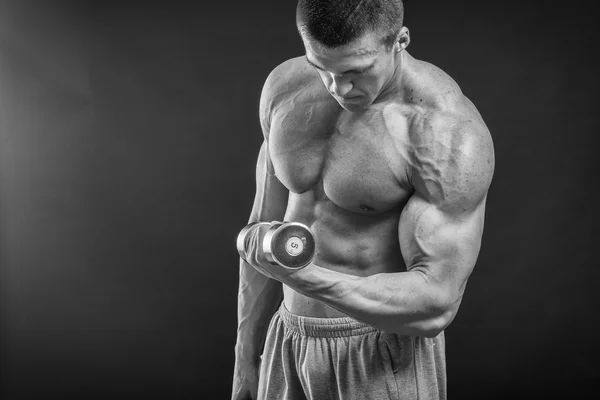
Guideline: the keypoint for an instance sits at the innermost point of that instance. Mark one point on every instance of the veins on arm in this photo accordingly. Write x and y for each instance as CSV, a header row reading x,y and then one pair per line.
x,y
441,226
452,161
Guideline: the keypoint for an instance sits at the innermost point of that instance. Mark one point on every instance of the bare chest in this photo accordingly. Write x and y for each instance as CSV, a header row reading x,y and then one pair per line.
x,y
352,161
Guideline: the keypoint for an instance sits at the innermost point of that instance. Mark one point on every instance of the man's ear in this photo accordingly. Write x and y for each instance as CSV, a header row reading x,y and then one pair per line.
x,y
403,39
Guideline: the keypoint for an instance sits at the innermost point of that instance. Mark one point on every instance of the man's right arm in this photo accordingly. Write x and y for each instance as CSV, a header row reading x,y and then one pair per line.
x,y
258,296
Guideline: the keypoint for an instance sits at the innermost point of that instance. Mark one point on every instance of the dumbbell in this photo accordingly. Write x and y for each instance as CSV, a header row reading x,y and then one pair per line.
x,y
286,244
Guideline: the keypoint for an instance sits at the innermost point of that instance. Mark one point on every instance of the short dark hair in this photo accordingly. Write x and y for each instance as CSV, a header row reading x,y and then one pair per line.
x,y
335,23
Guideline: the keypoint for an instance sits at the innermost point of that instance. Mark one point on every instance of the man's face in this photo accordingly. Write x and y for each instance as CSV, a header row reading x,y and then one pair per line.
x,y
354,74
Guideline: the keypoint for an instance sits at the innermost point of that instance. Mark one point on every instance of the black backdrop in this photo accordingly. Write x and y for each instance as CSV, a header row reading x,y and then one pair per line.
x,y
128,139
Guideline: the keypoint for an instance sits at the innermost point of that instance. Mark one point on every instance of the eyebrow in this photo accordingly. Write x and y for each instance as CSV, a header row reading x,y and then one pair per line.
x,y
356,70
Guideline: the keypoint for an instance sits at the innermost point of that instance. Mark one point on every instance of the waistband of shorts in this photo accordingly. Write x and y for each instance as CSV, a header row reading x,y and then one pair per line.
x,y
323,327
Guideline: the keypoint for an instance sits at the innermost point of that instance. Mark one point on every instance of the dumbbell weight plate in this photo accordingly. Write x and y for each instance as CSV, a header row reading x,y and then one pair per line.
x,y
290,245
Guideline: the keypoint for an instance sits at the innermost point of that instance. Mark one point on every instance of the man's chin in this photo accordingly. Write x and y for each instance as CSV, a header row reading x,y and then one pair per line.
x,y
353,106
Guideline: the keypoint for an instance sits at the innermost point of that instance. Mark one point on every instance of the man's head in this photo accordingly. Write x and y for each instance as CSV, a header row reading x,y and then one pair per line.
x,y
354,45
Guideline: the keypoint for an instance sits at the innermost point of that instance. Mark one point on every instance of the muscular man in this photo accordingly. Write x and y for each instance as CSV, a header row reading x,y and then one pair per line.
x,y
389,164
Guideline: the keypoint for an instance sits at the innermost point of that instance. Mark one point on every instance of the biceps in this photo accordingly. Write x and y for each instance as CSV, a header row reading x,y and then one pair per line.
x,y
441,245
271,198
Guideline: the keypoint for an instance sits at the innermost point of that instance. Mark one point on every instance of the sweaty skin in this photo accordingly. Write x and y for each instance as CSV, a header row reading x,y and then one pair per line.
x,y
398,186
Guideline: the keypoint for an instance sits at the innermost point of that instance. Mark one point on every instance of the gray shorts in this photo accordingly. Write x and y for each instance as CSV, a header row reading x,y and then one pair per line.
x,y
341,358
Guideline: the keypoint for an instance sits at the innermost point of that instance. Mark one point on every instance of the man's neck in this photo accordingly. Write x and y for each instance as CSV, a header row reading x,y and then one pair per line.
x,y
397,84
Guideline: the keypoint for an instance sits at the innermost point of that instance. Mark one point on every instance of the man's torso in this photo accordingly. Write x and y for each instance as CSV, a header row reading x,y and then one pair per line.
x,y
349,174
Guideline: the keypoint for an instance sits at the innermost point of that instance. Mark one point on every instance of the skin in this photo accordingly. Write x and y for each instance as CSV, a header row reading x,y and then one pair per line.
x,y
393,184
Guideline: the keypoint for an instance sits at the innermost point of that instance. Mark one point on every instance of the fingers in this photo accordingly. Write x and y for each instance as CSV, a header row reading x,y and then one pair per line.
x,y
254,248
246,237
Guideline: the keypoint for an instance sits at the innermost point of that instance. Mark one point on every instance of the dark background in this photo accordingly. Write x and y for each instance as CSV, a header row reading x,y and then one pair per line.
x,y
129,134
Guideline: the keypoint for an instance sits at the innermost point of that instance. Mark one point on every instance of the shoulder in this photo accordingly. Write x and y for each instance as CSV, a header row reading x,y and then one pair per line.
x,y
284,83
288,76
449,148
442,139
452,157
293,91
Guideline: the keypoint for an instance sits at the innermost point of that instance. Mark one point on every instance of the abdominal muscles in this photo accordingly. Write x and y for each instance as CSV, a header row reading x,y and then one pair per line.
x,y
350,242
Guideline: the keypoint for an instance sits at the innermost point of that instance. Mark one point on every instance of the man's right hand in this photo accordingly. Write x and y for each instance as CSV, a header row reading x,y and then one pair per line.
x,y
245,383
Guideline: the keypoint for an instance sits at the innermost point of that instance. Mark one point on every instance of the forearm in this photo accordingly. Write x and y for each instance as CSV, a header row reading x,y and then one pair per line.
x,y
404,302
258,299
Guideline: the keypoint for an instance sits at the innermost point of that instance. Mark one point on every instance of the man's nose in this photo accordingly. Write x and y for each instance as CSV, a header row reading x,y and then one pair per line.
x,y
340,86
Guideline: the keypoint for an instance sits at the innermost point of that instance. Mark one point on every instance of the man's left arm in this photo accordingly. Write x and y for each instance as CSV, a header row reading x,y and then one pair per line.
x,y
440,232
